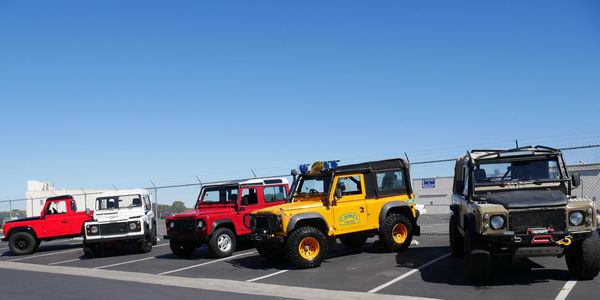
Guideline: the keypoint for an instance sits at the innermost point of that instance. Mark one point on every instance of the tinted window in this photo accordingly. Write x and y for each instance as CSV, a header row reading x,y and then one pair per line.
x,y
390,182
515,171
249,197
274,193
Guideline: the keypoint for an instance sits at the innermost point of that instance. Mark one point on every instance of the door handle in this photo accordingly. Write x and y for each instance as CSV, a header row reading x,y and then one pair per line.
x,y
362,209
65,222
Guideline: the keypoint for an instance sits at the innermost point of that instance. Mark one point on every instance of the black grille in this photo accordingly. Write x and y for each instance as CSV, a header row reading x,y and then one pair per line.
x,y
184,225
114,228
520,221
266,222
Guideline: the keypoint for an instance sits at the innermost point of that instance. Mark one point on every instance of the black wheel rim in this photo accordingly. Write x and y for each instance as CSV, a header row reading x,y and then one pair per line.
x,y
21,244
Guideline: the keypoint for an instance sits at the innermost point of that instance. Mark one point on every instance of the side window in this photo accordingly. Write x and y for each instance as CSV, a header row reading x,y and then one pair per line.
x,y
351,185
274,193
390,182
147,203
249,197
73,205
58,207
466,186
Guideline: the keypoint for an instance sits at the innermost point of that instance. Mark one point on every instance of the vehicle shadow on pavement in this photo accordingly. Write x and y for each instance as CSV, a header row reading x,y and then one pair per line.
x,y
256,262
203,253
45,248
505,273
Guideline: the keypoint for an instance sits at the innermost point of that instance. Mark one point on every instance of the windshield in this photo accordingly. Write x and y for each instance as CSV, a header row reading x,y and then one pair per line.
x,y
313,185
526,170
118,202
222,195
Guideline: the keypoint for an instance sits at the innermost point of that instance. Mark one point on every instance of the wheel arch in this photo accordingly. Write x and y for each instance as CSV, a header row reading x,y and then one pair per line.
x,y
308,219
227,223
401,208
27,229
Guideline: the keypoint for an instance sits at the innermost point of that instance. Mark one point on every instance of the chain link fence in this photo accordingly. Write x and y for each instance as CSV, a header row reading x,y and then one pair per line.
x,y
432,183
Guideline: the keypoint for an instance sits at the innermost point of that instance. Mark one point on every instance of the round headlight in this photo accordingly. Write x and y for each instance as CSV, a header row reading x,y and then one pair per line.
x,y
200,224
172,224
94,229
497,222
576,218
132,226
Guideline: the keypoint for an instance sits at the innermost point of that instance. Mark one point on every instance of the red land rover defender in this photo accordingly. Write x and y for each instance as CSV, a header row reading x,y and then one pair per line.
x,y
58,219
217,219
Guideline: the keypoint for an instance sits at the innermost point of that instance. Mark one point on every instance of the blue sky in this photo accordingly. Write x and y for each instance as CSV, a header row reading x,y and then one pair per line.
x,y
124,92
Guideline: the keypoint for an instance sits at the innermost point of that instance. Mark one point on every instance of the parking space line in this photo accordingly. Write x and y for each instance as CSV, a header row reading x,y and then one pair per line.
x,y
266,276
125,262
64,262
407,274
42,255
206,263
564,292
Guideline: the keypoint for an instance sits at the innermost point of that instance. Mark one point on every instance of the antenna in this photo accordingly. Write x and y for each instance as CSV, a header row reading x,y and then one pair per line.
x,y
253,173
517,143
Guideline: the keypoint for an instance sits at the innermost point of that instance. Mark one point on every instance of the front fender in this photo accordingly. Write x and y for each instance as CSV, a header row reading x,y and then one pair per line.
x,y
304,216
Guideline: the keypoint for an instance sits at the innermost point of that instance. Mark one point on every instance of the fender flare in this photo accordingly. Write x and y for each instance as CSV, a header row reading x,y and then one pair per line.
x,y
386,208
21,229
220,222
305,216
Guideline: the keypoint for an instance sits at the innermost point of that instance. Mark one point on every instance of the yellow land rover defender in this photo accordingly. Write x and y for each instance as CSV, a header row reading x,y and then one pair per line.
x,y
351,202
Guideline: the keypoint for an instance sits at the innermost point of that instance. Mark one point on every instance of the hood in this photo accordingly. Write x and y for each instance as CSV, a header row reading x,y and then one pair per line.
x,y
525,198
118,214
291,206
203,211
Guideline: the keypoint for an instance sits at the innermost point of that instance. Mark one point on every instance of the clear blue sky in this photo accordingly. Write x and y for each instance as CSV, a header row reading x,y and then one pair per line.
x,y
124,92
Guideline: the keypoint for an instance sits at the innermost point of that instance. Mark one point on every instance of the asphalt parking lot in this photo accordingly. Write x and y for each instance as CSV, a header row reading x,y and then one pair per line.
x,y
424,270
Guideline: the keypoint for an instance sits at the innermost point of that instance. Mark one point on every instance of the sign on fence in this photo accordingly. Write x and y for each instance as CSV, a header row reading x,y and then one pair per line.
x,y
428,183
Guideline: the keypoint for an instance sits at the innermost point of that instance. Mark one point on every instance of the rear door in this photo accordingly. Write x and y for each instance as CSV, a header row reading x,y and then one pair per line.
x,y
350,211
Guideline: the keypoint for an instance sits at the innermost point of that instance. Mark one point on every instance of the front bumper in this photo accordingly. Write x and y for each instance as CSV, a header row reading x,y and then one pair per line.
x,y
109,239
266,237
196,236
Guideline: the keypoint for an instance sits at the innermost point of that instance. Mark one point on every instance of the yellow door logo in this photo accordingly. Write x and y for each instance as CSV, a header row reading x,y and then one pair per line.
x,y
349,219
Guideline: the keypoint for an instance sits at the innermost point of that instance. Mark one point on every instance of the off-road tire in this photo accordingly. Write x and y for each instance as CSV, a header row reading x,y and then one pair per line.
x,y
224,236
478,261
303,235
146,243
583,258
91,250
22,243
270,251
154,235
386,232
354,240
182,248
457,241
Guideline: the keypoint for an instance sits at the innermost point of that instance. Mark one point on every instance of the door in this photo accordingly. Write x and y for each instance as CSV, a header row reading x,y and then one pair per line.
x,y
57,219
349,211
251,200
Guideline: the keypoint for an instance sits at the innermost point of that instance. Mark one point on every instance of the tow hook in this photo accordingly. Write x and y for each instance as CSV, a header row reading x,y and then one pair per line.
x,y
565,242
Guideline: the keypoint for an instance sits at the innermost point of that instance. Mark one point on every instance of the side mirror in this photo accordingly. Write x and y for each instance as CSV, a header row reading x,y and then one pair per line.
x,y
576,179
338,193
87,211
242,208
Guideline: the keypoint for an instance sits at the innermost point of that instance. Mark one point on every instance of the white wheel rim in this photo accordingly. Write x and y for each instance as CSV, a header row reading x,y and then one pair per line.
x,y
224,243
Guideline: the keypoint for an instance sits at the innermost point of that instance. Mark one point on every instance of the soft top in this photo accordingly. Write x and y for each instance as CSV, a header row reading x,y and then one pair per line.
x,y
379,165
62,197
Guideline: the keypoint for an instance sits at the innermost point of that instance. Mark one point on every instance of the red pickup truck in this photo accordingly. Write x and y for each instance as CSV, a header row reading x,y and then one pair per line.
x,y
58,219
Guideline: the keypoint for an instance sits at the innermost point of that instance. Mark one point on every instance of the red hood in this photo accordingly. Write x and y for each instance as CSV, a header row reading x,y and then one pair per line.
x,y
203,211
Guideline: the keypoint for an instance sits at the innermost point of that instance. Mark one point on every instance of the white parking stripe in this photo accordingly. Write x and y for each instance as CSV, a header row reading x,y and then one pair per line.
x,y
564,292
383,286
64,262
266,276
206,263
47,254
126,262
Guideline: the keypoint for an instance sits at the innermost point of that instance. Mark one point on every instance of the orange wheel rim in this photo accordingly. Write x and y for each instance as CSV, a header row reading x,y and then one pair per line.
x,y
309,248
399,233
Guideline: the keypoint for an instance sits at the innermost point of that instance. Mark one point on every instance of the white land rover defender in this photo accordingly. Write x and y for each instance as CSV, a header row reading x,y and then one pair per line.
x,y
121,217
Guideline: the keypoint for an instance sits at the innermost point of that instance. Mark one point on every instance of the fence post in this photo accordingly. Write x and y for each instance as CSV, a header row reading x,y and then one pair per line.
x,y
10,215
84,199
155,200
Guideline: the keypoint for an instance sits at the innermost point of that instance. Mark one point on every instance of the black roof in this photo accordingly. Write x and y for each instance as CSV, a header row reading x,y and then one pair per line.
x,y
60,197
379,165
